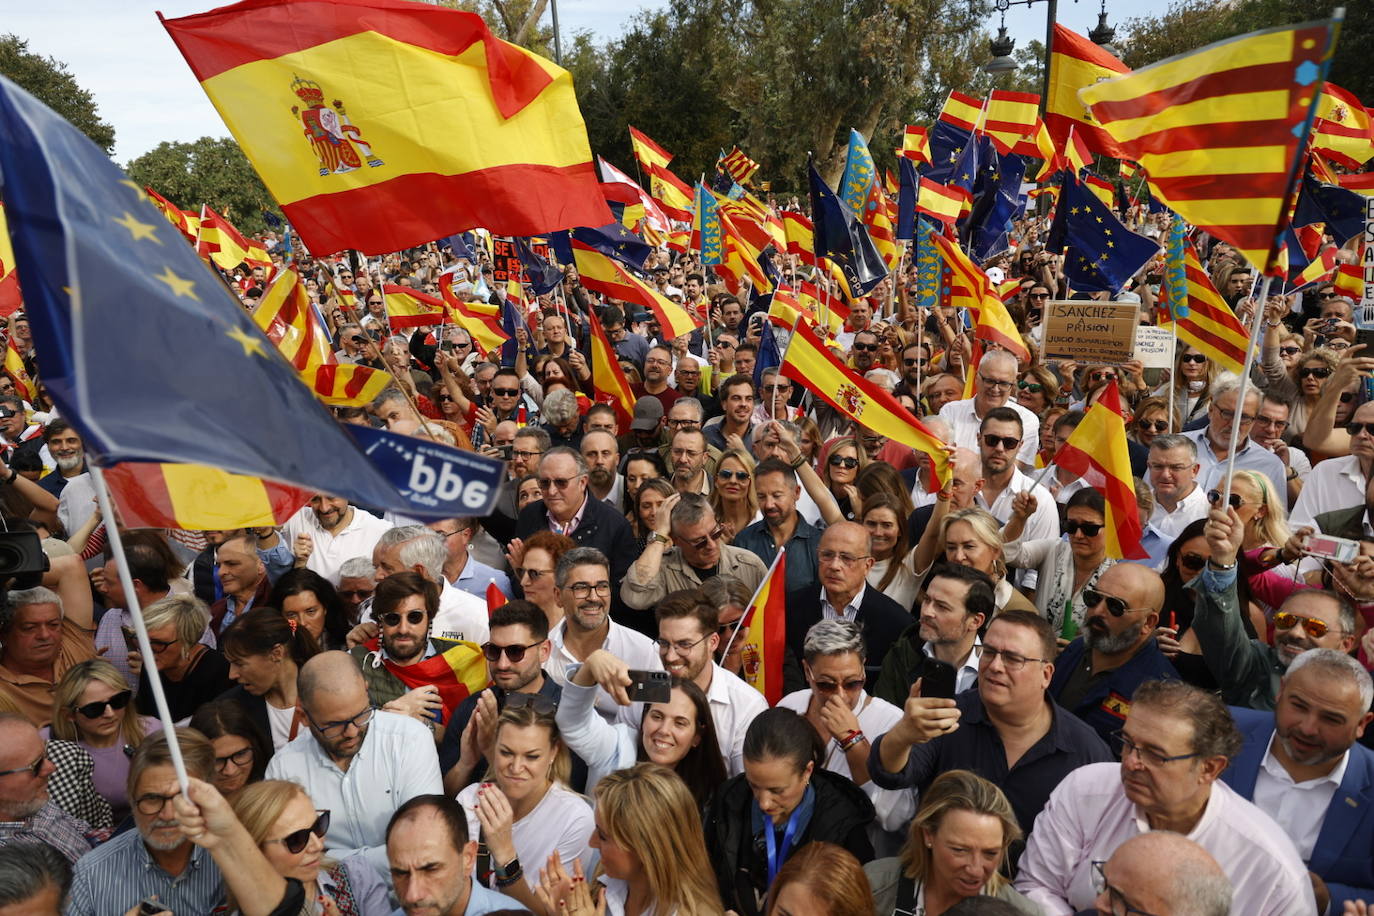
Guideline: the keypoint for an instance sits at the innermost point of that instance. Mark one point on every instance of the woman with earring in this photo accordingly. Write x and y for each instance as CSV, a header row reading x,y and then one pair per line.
x,y
265,652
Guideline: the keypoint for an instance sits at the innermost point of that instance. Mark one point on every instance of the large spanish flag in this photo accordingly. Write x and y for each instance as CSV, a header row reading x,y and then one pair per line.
x,y
407,307
606,276
194,497
10,300
809,363
457,672
383,124
1076,62
762,632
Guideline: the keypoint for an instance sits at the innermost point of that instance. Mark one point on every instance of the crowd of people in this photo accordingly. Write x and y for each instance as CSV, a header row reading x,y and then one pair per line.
x,y
983,711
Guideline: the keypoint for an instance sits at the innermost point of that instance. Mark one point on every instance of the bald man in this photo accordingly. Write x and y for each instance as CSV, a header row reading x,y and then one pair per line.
x,y
1096,674
356,761
1162,873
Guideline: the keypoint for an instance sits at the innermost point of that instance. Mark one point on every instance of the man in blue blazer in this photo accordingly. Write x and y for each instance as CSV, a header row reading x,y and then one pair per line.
x,y
1302,766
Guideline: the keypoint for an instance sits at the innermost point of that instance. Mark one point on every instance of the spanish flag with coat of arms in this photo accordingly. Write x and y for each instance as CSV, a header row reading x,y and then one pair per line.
x,y
762,632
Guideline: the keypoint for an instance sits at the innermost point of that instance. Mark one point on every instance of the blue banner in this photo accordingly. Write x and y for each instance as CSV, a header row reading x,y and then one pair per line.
x,y
437,480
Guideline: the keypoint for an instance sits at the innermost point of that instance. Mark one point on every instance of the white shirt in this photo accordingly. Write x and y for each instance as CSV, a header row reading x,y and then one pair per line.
x,y
848,612
1299,807
635,649
562,822
397,761
967,675
280,720
1189,509
461,615
1336,483
331,551
895,807
1088,816
77,502
964,423
734,704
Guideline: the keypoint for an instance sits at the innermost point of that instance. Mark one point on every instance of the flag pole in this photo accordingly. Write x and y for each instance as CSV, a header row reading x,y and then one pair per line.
x,y
126,581
767,577
1251,348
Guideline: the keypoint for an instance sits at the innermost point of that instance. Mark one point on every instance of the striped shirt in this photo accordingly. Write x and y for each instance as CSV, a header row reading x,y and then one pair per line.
x,y
114,877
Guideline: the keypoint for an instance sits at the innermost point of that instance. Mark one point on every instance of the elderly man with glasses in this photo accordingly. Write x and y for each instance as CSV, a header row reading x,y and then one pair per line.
x,y
27,811
687,523
993,387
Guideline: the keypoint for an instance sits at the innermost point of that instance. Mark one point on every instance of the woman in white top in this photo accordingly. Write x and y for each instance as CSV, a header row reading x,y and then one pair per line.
x,y
888,532
1066,566
679,734
847,719
526,814
265,652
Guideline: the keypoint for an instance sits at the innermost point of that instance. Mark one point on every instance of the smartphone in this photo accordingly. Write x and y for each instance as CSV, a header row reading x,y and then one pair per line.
x,y
507,451
938,679
447,345
149,906
130,638
1338,549
649,686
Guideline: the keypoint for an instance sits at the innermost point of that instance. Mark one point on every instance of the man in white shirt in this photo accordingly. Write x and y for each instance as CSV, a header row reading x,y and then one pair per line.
x,y
996,380
1176,742
329,532
1003,480
1339,483
462,616
357,762
1270,424
1173,469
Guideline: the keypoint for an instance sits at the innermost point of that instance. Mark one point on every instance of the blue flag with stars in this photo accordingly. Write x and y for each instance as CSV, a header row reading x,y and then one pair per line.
x,y
947,142
1340,208
613,240
151,357
543,276
840,237
1102,253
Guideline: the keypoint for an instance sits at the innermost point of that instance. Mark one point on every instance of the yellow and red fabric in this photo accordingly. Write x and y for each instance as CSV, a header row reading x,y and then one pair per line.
x,y
218,241
194,497
943,203
1076,62
495,598
961,110
605,275
972,289
24,386
608,379
407,307
915,143
11,300
457,672
672,193
762,633
379,125
1344,129
1204,320
1349,281
1011,116
177,217
739,166
801,236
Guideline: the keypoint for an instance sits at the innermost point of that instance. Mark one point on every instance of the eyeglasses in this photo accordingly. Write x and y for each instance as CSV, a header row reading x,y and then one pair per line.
x,y
525,455
1007,442
1287,620
97,709
1214,497
355,594
1289,351
240,758
1117,607
726,474
1354,429
1338,345
585,589
1117,899
161,645
843,461
549,483
1192,561
1270,422
1158,426
1314,372
832,686
393,618
1089,529
1032,387
152,803
1014,661
830,556
442,399
296,841
1192,358
515,653
995,382
1147,756
534,574
681,646
867,348
689,423
777,387
701,542
1229,416
32,769
332,729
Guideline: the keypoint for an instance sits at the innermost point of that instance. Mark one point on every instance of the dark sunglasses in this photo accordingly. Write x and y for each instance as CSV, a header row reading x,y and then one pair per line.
x,y
1089,529
296,840
726,474
537,701
1290,351
1101,376
1115,606
1285,620
1314,371
1007,442
915,362
355,594
515,653
1037,295
865,347
1192,561
97,709
1354,428
1032,387
701,542
505,392
393,618
843,461
1192,358
1347,397
832,686
1158,426
1214,497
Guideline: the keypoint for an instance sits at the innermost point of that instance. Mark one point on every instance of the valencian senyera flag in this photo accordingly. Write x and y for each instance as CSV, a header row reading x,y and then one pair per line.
x,y
382,124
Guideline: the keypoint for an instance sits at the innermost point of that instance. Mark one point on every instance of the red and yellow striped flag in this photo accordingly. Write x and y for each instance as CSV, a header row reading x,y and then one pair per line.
x,y
481,320
1102,189
458,672
407,307
1076,152
1240,109
193,497
828,307
1011,116
1076,62
608,379
604,275
10,298
810,364
1349,281
915,144
1198,314
14,368
801,236
762,632
945,203
971,289
218,241
739,166
671,192
381,125
961,110
1343,129
177,217
1097,452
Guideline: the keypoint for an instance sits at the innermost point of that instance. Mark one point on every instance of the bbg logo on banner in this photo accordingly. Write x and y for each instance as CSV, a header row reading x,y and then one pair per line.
x,y
438,481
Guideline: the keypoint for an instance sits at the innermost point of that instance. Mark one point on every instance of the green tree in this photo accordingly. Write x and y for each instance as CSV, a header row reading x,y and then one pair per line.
x,y
49,81
212,170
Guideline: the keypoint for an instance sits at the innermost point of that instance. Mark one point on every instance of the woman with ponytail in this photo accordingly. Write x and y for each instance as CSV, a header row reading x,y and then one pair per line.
x,y
265,652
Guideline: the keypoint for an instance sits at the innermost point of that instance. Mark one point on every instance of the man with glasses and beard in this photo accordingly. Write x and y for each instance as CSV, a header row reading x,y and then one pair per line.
x,y
1096,674
687,523
68,454
358,762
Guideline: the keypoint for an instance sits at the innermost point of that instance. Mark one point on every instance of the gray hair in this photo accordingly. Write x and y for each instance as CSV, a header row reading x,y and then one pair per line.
x,y
724,590
187,615
24,598
386,397
572,453
793,429
1230,384
693,404
578,556
560,406
1000,356
1336,664
1168,441
28,868
833,637
357,568
419,546
690,509
540,436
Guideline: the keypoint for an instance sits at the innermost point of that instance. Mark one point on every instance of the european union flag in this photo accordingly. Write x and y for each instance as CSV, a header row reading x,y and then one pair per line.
x,y
613,240
1102,253
990,222
150,356
543,276
840,237
908,190
1340,208
768,356
946,144
460,246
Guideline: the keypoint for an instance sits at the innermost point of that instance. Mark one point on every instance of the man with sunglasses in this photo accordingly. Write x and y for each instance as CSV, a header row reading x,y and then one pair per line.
x,y
1001,435
915,369
687,522
417,549
27,811
357,762
863,352
403,608
1249,671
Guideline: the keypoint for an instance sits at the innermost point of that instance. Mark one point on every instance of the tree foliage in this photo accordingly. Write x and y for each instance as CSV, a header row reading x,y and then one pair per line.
x,y
49,81
212,170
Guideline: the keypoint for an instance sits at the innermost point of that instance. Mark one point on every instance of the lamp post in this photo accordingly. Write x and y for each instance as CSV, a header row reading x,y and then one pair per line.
x,y
1002,46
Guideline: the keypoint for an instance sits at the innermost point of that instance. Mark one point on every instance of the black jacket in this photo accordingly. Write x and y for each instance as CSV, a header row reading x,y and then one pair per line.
x,y
881,619
608,531
842,815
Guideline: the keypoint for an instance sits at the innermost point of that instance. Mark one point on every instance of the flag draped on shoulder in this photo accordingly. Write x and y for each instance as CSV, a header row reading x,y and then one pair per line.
x,y
457,672
762,632
1097,452
1240,109
1191,305
809,363
1076,62
381,124
193,497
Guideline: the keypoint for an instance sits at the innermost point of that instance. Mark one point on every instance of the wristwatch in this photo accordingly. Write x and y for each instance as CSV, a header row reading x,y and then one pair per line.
x,y
655,536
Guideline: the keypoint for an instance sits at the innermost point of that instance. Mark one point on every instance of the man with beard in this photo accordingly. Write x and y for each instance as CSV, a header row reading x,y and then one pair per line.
x,y
657,366
1248,670
687,522
27,812
603,457
329,532
404,608
687,452
68,454
358,762
1303,767
1096,674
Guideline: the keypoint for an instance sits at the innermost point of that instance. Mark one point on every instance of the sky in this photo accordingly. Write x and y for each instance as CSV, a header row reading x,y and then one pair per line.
x,y
120,53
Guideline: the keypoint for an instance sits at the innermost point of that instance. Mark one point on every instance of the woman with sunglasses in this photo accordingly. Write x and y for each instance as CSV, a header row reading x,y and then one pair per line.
x,y
1037,390
282,820
1152,418
1190,390
309,599
1310,374
241,749
679,734
91,707
841,461
533,570
265,652
525,813
733,498
1066,566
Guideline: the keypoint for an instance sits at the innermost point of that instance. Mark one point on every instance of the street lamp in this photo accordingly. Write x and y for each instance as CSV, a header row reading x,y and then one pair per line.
x,y
1002,46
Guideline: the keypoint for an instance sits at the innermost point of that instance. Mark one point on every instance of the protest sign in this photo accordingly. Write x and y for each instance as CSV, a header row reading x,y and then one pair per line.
x,y
1088,331
1154,346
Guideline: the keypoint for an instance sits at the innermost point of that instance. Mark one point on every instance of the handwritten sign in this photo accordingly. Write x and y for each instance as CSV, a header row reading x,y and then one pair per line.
x,y
1088,331
1154,346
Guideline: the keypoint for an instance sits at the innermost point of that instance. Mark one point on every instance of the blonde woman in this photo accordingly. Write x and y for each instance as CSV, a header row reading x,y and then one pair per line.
x,y
733,498
1190,389
956,845
192,673
973,537
283,821
92,706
